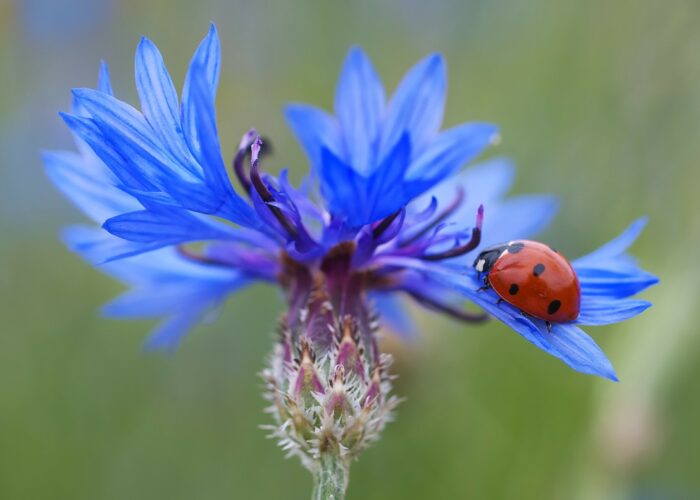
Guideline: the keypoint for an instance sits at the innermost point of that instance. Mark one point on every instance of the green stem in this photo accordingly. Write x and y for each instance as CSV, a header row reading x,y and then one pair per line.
x,y
331,478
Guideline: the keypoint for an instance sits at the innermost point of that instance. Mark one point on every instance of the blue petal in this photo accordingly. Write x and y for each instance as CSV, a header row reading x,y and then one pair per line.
x,y
165,266
143,177
159,98
486,181
394,314
207,58
609,283
316,130
360,199
165,226
171,331
450,150
614,248
385,189
573,346
167,284
518,217
359,103
234,208
566,341
483,184
596,311
87,130
417,105
339,185
610,272
504,220
128,131
164,283
104,84
91,187
153,301
98,246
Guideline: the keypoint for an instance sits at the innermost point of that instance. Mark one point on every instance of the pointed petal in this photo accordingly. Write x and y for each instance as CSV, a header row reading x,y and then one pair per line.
x,y
88,131
610,272
339,185
450,151
98,246
417,105
394,314
614,248
595,311
233,207
91,187
566,341
165,226
360,199
315,130
573,346
153,301
104,84
386,191
482,184
159,99
606,283
130,134
518,217
359,103
169,333
164,266
206,59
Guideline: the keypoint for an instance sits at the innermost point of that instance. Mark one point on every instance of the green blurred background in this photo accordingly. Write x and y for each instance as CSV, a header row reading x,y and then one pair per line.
x,y
598,101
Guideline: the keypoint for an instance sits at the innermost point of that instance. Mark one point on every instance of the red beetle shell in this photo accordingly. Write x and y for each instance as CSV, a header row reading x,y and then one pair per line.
x,y
537,280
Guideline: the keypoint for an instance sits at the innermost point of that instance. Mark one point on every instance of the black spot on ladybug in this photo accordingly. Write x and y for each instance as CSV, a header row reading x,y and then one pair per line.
x,y
553,306
515,247
538,269
513,289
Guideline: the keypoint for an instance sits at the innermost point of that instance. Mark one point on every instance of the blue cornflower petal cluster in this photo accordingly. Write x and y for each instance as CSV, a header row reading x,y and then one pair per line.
x,y
374,157
171,225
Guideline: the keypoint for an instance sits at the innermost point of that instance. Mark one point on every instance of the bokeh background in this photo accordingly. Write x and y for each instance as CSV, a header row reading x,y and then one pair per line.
x,y
598,101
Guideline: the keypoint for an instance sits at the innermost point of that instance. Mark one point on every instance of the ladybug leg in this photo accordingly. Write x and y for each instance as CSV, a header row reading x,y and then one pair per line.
x,y
487,285
498,302
549,326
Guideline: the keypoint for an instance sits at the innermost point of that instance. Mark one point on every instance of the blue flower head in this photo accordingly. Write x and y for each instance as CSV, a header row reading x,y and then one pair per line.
x,y
386,214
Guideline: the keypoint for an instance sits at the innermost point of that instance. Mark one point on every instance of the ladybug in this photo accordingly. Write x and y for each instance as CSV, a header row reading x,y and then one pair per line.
x,y
532,277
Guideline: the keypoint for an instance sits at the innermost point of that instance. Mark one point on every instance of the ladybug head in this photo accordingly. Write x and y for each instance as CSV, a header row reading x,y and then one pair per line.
x,y
487,258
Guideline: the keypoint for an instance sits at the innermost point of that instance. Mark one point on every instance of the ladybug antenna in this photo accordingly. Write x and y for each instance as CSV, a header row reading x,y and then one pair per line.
x,y
467,247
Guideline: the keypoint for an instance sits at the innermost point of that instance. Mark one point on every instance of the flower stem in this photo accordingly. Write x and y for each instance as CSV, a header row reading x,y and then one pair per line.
x,y
331,478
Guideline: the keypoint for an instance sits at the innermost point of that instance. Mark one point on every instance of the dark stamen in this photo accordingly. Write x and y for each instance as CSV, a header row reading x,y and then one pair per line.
x,y
449,210
384,224
459,314
264,193
467,247
239,159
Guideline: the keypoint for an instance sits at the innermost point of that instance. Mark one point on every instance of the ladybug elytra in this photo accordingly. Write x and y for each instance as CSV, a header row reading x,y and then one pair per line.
x,y
532,277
